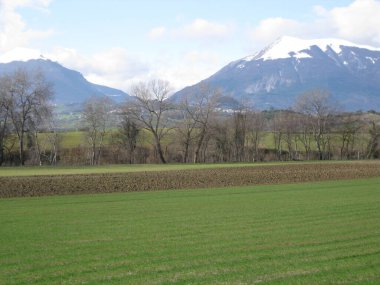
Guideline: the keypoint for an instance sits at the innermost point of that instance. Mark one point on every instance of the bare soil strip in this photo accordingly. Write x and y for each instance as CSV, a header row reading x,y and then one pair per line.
x,y
183,179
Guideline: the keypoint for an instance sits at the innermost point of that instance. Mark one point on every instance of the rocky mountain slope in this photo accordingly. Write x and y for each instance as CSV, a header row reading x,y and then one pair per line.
x,y
276,75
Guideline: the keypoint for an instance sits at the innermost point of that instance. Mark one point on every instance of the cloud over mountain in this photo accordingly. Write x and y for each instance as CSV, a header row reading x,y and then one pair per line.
x,y
357,22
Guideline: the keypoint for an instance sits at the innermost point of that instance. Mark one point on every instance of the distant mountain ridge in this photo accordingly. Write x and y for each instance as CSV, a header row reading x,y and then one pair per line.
x,y
276,75
69,85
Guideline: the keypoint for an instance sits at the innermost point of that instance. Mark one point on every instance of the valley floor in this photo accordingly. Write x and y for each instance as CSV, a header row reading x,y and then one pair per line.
x,y
306,233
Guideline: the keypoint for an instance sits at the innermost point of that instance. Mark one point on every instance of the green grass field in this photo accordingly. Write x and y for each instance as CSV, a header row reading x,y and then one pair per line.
x,y
117,168
315,233
124,168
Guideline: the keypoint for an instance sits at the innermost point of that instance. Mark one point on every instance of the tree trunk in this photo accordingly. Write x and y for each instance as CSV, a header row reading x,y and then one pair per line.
x,y
38,148
199,145
159,150
93,155
53,154
1,154
319,147
21,151
186,153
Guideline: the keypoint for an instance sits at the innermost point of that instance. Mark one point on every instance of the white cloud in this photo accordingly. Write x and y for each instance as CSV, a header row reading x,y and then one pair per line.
x,y
272,28
187,68
22,54
157,32
201,28
118,68
13,29
358,22
198,62
115,67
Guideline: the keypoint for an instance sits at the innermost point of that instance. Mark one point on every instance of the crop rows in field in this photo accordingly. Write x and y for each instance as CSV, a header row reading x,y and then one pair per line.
x,y
313,233
182,179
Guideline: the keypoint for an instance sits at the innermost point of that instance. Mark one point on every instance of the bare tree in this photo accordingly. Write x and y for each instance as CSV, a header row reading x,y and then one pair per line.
x,y
187,127
347,128
54,141
127,136
289,125
304,133
256,125
5,104
220,135
239,133
30,98
51,143
319,109
278,133
150,109
201,110
96,115
373,144
38,144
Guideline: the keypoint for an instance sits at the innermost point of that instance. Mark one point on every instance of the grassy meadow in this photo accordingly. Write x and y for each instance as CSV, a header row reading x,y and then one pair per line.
x,y
116,168
309,233
125,168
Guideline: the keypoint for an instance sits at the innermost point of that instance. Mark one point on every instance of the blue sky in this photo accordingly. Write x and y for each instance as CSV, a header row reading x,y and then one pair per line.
x,y
118,43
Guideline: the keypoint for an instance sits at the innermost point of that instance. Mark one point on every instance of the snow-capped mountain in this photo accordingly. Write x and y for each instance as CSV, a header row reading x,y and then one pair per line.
x,y
287,47
290,66
69,85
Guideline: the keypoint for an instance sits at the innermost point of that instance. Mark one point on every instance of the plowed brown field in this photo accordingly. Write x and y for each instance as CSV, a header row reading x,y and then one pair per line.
x,y
183,179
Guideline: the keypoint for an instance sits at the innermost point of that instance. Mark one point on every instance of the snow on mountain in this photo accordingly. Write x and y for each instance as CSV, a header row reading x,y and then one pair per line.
x,y
286,47
275,76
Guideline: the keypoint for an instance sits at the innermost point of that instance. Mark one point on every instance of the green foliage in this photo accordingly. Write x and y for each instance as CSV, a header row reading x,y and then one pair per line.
x,y
315,233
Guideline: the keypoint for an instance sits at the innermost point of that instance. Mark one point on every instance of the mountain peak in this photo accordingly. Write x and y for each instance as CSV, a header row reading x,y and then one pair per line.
x,y
286,47
288,67
69,86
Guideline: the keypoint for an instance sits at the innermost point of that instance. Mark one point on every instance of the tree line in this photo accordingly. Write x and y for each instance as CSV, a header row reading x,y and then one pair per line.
x,y
151,129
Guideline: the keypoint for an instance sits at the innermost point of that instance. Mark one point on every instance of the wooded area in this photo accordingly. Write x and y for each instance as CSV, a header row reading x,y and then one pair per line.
x,y
152,129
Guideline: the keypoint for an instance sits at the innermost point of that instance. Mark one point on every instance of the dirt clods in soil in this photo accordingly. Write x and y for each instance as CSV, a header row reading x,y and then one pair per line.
x,y
183,179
